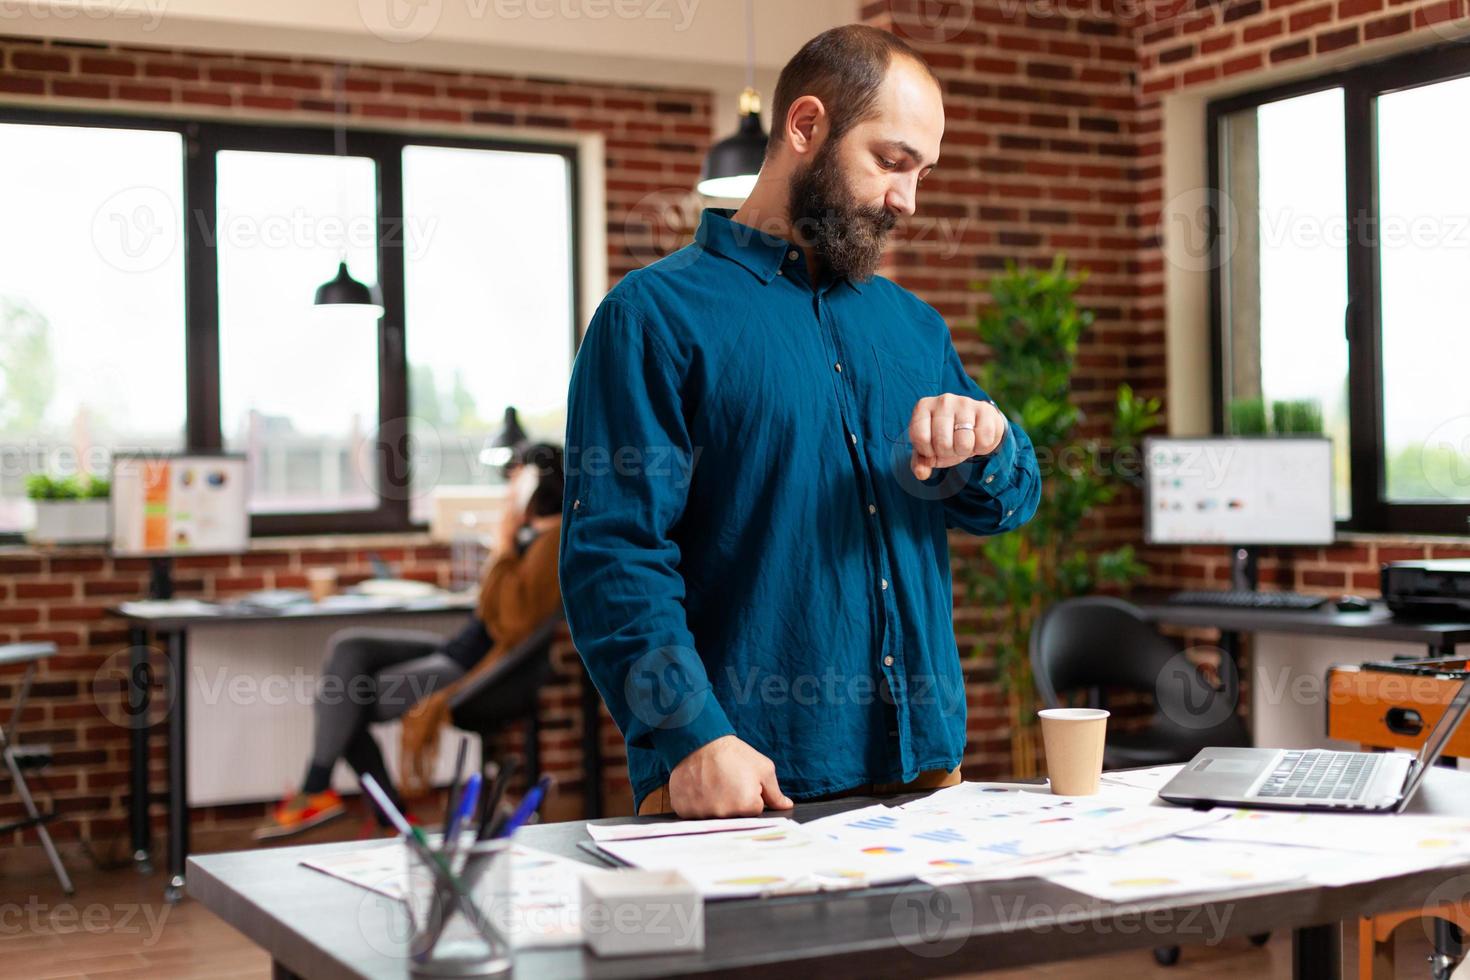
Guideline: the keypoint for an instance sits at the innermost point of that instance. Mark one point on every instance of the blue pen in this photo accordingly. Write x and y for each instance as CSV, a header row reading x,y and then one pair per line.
x,y
466,806
528,807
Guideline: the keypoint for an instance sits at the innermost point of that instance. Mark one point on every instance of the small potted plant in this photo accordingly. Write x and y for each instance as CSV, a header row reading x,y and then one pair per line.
x,y
69,509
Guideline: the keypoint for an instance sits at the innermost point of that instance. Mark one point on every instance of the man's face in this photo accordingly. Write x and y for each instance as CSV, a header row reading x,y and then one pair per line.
x,y
846,201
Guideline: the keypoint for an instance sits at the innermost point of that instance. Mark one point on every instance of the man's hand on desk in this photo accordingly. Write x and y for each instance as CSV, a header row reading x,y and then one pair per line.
x,y
937,441
725,778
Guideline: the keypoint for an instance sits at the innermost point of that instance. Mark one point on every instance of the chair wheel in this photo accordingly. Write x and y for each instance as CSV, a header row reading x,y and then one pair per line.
x,y
1260,938
1166,955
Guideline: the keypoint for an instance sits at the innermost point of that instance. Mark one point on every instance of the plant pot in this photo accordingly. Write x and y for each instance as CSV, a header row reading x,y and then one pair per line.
x,y
70,522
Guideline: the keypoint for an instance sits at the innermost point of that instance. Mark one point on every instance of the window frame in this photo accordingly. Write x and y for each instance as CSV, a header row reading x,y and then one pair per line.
x,y
202,139
1363,326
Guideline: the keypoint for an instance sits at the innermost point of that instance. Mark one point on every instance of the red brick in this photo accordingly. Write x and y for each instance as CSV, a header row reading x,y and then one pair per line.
x,y
1235,66
1259,32
144,93
22,84
1304,19
40,61
116,67
1336,40
1358,8
1387,26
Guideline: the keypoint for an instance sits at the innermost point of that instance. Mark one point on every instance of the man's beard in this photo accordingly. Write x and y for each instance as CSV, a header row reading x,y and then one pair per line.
x,y
847,236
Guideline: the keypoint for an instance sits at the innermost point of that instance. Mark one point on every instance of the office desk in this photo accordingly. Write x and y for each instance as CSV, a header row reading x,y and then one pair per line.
x,y
1440,638
1294,651
171,632
321,928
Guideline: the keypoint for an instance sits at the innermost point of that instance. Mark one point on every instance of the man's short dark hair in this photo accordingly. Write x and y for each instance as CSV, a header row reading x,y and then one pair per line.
x,y
844,67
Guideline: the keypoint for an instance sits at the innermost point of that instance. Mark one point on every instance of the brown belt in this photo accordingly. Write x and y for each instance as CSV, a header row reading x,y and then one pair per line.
x,y
657,802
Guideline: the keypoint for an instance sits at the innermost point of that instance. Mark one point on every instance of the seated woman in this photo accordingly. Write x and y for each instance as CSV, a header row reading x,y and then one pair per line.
x,y
376,675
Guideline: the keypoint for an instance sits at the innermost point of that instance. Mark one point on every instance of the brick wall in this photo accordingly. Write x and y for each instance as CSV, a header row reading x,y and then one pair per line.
x,y
1054,143
655,138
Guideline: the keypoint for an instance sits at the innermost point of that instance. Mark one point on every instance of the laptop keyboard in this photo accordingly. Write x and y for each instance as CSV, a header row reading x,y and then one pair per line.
x,y
1320,775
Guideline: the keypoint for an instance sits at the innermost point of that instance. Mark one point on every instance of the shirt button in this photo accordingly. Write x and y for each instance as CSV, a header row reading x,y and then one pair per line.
x,y
1009,513
990,478
885,585
577,504
888,661
791,255
780,272
872,509
838,366
853,437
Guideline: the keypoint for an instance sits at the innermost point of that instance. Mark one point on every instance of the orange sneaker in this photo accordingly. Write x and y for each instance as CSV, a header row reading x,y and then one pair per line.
x,y
300,812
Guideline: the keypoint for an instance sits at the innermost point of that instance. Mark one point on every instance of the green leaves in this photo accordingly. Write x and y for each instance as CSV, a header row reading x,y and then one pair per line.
x,y
1033,328
39,486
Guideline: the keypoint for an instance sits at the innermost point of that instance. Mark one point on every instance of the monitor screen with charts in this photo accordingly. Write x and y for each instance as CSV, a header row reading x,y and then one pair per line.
x,y
167,504
1239,491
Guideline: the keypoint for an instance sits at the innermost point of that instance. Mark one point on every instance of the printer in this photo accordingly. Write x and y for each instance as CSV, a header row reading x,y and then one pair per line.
x,y
1438,588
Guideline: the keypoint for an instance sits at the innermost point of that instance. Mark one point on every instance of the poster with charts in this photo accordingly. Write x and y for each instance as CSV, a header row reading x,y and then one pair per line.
x,y
162,505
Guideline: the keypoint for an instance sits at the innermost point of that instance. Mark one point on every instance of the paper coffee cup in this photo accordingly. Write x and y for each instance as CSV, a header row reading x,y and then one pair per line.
x,y
321,582
1074,740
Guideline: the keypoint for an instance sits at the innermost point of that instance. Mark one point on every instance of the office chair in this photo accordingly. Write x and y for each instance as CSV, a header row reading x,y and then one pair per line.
x,y
1099,642
510,692
34,758
1094,643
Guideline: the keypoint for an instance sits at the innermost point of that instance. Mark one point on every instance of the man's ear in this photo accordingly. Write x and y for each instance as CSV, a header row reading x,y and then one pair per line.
x,y
805,123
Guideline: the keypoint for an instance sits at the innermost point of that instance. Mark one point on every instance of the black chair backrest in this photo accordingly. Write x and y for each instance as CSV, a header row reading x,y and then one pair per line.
x,y
1099,642
509,689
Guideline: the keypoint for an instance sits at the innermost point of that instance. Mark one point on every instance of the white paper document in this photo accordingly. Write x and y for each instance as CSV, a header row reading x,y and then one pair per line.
x,y
678,828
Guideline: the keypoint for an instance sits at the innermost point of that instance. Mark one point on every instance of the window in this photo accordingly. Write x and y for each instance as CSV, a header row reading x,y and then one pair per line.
x,y
91,301
480,343
298,385
125,326
1342,277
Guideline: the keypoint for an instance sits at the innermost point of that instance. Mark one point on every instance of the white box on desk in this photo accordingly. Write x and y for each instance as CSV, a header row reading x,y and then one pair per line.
x,y
635,913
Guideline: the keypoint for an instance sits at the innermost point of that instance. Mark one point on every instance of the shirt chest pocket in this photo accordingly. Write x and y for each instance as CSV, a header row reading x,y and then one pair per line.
x,y
903,377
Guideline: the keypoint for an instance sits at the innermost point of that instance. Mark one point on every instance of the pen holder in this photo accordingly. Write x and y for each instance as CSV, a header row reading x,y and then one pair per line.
x,y
454,931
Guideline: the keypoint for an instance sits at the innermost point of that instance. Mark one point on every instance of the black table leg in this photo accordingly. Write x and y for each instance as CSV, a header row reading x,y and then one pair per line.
x,y
140,678
1316,952
591,748
178,762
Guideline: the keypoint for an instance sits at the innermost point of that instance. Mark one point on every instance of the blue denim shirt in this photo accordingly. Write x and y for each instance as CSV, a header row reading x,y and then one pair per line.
x,y
744,547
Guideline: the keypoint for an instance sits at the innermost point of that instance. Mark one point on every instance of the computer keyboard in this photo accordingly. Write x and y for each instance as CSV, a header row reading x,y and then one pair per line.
x,y
1242,599
1320,775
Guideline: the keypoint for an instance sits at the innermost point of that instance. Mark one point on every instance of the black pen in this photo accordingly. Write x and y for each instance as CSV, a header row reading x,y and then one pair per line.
x,y
450,803
490,816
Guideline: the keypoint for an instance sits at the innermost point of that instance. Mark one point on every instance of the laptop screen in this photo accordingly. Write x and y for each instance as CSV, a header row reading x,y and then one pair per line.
x,y
1439,736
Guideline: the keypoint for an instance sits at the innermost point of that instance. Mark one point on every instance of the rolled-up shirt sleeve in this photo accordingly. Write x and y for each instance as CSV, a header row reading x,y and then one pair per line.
x,y
1002,488
629,461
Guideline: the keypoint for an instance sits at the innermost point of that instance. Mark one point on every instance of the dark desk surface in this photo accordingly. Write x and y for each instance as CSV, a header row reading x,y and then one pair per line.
x,y
323,928
430,605
1375,624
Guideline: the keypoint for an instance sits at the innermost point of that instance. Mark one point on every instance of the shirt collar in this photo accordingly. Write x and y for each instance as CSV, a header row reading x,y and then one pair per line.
x,y
762,254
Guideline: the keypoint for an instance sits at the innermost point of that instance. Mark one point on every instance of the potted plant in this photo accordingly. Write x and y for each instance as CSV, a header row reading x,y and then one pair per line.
x,y
69,509
1032,329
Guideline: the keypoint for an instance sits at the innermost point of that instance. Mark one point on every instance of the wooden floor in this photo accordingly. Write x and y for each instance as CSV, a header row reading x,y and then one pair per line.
x,y
117,926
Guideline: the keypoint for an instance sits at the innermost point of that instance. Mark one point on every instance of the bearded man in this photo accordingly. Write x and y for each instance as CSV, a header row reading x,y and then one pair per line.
x,y
766,447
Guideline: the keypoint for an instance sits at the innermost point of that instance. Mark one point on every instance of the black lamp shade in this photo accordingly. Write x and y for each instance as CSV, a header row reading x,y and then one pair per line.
x,y
502,448
732,164
343,290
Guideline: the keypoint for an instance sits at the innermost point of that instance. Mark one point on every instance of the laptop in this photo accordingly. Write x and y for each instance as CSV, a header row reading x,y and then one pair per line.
x,y
1314,779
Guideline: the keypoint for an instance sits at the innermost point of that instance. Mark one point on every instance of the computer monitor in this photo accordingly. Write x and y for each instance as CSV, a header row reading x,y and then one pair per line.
x,y
1240,491
166,504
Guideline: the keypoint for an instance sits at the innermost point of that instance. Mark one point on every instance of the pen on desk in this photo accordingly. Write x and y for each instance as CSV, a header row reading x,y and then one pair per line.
x,y
534,796
466,808
490,777
492,806
449,800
